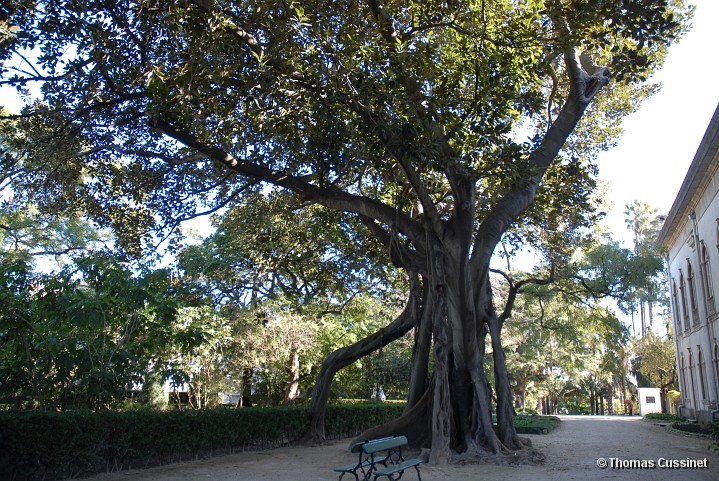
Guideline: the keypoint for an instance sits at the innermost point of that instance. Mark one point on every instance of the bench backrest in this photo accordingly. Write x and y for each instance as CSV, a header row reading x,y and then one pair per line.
x,y
356,446
382,444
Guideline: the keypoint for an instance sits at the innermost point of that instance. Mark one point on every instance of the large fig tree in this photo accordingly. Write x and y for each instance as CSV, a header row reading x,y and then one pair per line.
x,y
437,126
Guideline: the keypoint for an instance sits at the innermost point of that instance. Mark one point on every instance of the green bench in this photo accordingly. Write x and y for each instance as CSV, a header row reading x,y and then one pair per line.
x,y
374,452
364,462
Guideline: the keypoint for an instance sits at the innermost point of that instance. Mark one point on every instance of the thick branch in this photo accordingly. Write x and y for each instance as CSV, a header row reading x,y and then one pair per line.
x,y
517,200
332,198
400,255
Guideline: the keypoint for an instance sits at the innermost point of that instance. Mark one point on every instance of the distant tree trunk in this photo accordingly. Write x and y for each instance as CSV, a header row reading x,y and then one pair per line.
x,y
245,395
642,315
651,316
293,369
623,393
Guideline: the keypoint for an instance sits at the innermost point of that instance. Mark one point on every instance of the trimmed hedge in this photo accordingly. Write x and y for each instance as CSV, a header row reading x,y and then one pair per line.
x,y
48,445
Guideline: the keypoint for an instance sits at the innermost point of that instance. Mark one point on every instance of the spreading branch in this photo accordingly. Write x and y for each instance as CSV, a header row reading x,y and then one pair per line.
x,y
516,288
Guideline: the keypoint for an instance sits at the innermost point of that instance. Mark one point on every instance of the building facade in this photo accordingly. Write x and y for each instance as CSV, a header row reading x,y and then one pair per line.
x,y
690,237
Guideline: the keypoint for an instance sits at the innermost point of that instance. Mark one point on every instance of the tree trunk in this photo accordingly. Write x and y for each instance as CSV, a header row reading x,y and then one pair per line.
x,y
505,410
441,400
642,316
460,395
421,352
293,369
651,314
245,395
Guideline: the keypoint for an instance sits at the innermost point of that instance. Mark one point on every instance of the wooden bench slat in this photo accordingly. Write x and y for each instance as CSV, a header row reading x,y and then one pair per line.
x,y
393,468
346,469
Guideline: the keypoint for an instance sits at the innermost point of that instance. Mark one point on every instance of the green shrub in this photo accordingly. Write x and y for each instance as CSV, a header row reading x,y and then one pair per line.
x,y
535,424
714,430
714,433
50,445
664,417
528,412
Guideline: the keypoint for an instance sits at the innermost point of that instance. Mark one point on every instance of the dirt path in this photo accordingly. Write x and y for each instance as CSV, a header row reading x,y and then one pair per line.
x,y
572,451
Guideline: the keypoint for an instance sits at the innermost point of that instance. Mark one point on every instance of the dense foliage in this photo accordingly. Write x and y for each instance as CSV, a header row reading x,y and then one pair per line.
x,y
566,347
664,417
82,336
563,354
96,335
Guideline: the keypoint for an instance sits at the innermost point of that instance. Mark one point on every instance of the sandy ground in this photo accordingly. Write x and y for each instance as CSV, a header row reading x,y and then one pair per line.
x,y
573,450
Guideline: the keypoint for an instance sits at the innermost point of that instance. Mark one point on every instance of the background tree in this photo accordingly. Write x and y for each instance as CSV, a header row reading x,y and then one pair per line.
x,y
568,350
655,363
270,260
645,223
403,115
83,336
202,351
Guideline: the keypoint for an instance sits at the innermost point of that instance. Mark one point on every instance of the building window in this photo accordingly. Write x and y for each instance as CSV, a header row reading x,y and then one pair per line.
x,y
692,293
691,381
702,373
676,310
707,278
683,294
683,387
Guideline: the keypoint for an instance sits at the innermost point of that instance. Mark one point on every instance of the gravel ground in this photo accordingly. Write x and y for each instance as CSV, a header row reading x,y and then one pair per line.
x,y
574,450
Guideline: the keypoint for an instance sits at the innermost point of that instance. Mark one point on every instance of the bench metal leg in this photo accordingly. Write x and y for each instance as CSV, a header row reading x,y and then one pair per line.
x,y
353,473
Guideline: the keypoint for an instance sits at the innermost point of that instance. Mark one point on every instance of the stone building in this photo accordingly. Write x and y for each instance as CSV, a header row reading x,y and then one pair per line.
x,y
690,237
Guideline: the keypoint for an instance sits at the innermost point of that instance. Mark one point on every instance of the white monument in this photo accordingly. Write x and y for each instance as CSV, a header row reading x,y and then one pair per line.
x,y
649,400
